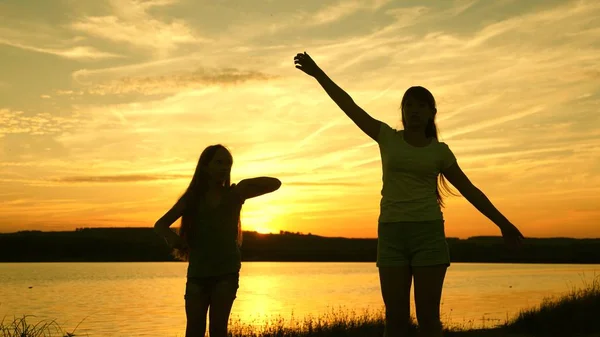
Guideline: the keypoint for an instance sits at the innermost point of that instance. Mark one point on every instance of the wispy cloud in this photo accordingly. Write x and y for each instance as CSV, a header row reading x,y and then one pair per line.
x,y
53,213
18,122
132,23
293,18
176,82
76,52
335,12
121,178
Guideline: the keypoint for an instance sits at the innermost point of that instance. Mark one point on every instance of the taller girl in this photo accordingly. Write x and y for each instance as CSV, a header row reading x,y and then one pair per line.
x,y
411,237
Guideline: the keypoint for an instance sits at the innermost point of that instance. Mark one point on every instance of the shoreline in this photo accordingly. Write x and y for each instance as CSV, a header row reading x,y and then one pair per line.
x,y
572,314
143,245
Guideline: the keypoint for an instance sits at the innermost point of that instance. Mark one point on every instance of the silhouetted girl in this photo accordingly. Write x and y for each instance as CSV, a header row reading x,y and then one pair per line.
x,y
411,237
210,237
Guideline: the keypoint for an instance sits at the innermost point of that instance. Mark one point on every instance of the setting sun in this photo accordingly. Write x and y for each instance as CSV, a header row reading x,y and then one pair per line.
x,y
258,218
264,230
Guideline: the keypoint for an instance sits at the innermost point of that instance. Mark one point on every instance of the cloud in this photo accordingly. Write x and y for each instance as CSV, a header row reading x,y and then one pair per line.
x,y
179,81
341,10
530,23
491,122
154,67
292,19
122,178
55,212
75,53
18,122
48,39
60,92
335,12
460,6
133,24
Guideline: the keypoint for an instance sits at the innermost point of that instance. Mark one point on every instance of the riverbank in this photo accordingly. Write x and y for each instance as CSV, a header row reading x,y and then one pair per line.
x,y
572,315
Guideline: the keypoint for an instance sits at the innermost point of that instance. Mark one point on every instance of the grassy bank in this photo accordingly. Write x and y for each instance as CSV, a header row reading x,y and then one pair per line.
x,y
575,314
22,327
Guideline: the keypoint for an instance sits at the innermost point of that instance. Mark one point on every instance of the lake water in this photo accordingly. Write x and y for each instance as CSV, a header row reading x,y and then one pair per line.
x,y
146,299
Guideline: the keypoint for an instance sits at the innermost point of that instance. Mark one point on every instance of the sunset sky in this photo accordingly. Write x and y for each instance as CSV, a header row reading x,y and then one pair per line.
x,y
105,107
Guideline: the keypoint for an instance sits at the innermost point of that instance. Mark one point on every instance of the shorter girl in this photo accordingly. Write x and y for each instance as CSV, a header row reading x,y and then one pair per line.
x,y
210,237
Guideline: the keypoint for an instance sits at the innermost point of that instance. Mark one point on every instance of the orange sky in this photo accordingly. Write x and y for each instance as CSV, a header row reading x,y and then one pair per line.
x,y
105,107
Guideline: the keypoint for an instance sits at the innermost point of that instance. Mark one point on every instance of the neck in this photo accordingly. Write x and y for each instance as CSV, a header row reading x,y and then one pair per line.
x,y
416,138
415,134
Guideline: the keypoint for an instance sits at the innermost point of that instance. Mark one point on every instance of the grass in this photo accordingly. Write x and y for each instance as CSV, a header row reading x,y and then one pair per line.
x,y
576,314
335,323
19,327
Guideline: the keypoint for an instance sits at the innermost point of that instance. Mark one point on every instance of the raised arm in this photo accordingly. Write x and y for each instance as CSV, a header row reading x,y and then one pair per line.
x,y
361,118
455,175
253,187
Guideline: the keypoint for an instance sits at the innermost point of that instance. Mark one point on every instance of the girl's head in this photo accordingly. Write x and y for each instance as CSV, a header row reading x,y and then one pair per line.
x,y
213,169
418,111
214,166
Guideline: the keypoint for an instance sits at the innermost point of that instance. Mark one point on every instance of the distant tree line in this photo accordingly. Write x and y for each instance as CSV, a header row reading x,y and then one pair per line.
x,y
142,244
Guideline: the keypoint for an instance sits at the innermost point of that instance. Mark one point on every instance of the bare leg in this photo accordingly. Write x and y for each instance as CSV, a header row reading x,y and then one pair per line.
x,y
428,294
395,289
196,307
221,301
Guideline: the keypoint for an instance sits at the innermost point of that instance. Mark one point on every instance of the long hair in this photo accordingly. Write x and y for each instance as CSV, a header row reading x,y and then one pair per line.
x,y
194,195
421,94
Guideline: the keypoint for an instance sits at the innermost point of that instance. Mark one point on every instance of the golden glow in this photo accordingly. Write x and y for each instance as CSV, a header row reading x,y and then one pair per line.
x,y
264,230
258,218
258,302
110,132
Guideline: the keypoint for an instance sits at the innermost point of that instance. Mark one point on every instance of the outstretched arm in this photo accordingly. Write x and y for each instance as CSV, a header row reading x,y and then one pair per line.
x,y
361,118
479,200
253,187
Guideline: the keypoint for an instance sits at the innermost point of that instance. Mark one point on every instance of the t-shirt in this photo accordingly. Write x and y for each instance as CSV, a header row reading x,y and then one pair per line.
x,y
410,177
213,246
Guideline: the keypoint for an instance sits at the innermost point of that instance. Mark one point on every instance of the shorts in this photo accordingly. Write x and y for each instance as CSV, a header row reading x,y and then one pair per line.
x,y
221,286
416,244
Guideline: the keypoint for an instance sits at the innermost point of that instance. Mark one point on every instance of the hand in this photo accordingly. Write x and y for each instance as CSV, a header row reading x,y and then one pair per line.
x,y
512,236
306,64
